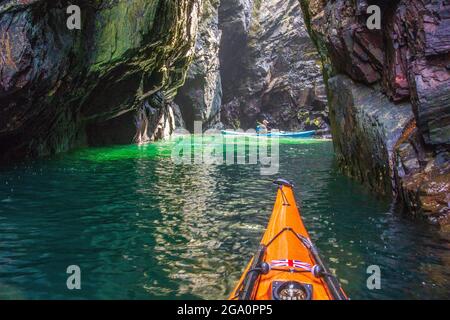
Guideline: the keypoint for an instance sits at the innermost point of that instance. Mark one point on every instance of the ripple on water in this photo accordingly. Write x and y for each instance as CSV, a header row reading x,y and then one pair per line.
x,y
140,226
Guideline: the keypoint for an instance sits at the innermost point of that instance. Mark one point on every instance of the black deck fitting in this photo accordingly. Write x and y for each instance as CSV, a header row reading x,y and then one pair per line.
x,y
284,182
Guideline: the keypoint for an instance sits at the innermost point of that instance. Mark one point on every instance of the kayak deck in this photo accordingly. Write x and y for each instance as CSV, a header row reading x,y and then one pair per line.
x,y
284,268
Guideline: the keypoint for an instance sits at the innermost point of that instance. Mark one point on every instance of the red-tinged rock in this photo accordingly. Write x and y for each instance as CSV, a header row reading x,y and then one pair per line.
x,y
372,41
432,101
395,73
354,49
414,51
422,181
437,29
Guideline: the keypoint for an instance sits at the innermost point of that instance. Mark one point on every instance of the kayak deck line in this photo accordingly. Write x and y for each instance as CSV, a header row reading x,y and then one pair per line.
x,y
287,265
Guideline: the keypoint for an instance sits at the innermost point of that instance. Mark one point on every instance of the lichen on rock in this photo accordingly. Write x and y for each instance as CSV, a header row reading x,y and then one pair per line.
x,y
60,88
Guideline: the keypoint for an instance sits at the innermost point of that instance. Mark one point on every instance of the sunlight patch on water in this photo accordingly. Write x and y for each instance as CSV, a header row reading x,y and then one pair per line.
x,y
163,148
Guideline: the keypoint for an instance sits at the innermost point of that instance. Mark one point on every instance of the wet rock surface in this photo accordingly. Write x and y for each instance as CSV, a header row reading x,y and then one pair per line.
x,y
60,88
407,62
366,127
423,180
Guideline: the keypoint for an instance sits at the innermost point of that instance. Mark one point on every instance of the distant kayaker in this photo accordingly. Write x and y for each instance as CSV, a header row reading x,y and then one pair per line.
x,y
263,127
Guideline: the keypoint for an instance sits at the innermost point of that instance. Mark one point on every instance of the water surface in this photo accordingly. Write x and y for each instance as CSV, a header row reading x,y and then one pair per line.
x,y
141,227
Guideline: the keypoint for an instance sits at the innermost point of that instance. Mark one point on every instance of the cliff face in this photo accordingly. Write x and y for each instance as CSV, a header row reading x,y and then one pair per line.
x,y
389,96
276,74
235,20
60,88
254,60
200,98
218,64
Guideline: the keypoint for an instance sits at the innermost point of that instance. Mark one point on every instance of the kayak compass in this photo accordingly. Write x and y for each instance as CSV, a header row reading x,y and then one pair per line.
x,y
291,290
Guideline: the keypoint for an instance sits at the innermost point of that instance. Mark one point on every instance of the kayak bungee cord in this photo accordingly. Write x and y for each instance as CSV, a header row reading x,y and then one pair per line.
x,y
285,200
259,281
318,271
251,277
280,183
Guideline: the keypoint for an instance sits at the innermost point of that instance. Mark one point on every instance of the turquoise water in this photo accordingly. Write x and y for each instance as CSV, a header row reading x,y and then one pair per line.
x,y
141,227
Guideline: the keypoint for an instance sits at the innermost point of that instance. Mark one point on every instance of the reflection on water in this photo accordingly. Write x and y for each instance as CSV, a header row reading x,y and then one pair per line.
x,y
141,227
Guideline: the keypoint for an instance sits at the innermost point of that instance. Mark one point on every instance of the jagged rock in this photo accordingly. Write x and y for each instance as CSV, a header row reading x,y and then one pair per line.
x,y
54,82
271,71
200,98
424,184
409,58
178,116
366,127
338,28
415,58
418,56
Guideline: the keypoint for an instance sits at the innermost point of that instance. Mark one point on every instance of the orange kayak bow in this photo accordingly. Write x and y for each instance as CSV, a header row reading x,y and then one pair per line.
x,y
287,265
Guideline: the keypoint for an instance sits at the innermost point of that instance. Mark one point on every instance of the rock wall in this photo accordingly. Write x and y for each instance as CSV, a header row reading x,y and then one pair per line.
x,y
407,62
200,98
60,88
235,20
254,60
274,72
366,127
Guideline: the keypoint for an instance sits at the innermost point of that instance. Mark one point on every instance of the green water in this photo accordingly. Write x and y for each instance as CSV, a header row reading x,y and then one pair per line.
x,y
141,227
